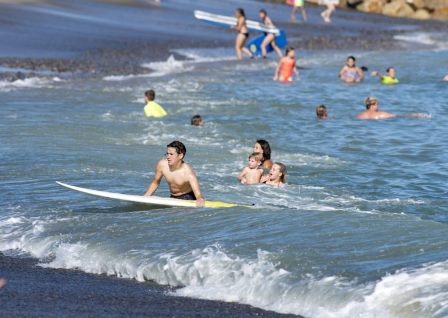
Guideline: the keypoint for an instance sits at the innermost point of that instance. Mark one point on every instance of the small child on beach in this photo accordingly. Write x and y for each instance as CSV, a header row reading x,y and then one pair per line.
x,y
277,175
252,173
152,109
286,67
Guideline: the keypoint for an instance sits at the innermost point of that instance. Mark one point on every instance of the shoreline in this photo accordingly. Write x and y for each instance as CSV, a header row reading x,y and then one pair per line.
x,y
36,291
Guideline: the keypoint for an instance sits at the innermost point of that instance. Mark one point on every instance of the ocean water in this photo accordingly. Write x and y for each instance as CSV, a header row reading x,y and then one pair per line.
x,y
360,230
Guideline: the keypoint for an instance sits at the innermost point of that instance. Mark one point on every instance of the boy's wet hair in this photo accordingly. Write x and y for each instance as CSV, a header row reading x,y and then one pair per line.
x,y
321,111
266,149
282,170
196,120
150,94
180,147
263,11
258,156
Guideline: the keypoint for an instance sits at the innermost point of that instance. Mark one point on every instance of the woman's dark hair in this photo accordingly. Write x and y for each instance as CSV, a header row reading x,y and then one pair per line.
x,y
266,149
241,12
263,11
288,49
351,57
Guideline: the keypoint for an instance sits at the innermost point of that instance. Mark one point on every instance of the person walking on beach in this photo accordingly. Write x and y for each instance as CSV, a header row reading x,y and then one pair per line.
x,y
372,110
270,37
263,147
251,174
180,177
286,67
331,6
298,4
243,34
388,79
152,109
350,73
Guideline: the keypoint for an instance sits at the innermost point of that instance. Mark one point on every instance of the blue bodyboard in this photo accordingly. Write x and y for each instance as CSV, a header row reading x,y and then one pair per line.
x,y
254,45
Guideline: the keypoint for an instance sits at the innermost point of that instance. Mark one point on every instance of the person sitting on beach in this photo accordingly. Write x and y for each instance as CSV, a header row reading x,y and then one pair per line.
x,y
197,120
270,37
152,109
263,147
350,73
373,111
251,174
295,5
180,177
389,78
286,67
331,6
276,176
243,34
321,112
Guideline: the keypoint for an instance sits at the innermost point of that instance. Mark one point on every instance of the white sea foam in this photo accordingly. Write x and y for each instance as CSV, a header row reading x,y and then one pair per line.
x,y
437,40
32,82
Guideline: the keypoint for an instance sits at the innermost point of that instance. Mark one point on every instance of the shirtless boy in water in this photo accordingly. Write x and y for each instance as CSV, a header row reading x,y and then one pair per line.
x,y
180,177
253,172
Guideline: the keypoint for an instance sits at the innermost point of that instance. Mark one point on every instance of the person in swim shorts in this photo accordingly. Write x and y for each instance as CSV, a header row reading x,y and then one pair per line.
x,y
251,174
277,175
321,112
296,4
372,110
152,109
243,34
388,79
286,67
270,37
180,177
350,73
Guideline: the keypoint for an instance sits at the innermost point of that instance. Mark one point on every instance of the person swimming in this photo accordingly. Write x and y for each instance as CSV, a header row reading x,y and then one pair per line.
x,y
388,79
321,112
350,73
197,120
372,110
269,37
286,67
277,175
251,174
243,34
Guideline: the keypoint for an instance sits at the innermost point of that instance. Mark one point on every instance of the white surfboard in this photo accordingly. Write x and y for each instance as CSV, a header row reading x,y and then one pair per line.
x,y
149,200
223,20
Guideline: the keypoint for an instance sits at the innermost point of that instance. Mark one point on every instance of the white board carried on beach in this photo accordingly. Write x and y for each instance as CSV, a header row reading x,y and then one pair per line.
x,y
224,20
149,200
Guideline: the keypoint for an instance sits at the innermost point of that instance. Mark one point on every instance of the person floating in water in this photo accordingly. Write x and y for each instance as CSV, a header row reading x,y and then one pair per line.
x,y
331,6
286,67
243,34
180,177
197,120
372,110
321,112
251,174
270,37
388,79
152,109
446,77
276,176
263,147
296,4
350,73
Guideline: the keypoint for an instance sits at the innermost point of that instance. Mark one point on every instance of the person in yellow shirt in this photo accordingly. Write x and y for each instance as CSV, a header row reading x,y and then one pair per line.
x,y
152,109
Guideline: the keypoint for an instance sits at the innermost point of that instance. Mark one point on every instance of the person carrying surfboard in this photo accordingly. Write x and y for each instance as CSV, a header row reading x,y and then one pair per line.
x,y
243,34
269,37
180,177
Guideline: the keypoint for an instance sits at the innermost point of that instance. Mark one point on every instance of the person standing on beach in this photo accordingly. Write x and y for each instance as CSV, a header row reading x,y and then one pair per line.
x,y
331,6
286,67
372,110
350,73
242,36
270,37
296,4
180,177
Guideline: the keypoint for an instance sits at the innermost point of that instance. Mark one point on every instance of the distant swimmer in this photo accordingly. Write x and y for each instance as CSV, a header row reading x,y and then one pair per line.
x,y
251,174
286,67
388,79
152,109
296,4
331,6
350,73
197,120
263,147
2,283
373,111
446,77
321,112
180,177
243,34
277,175
270,37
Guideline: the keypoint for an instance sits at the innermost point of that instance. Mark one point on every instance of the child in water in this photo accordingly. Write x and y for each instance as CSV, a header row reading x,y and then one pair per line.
x,y
321,112
286,67
277,175
388,79
152,109
253,172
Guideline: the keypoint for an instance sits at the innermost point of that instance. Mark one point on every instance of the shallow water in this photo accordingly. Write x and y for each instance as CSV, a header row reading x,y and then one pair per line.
x,y
359,231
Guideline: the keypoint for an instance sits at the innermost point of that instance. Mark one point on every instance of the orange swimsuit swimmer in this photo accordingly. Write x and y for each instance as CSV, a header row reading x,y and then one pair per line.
x,y
287,68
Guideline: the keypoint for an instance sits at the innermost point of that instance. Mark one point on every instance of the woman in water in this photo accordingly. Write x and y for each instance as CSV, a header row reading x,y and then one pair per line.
x,y
262,146
243,34
277,175
286,67
270,37
331,6
350,73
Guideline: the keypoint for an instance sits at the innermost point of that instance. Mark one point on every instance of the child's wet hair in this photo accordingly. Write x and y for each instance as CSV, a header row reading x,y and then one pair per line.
x,y
258,156
282,170
150,94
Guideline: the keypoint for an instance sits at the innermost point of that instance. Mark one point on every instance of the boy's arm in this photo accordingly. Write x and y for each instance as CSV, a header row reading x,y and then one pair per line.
x,y
194,184
242,173
156,180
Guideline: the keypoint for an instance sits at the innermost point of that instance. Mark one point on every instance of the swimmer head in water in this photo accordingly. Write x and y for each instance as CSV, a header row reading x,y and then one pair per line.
x,y
371,103
321,112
